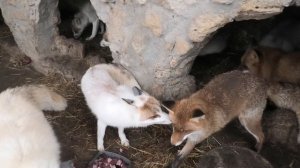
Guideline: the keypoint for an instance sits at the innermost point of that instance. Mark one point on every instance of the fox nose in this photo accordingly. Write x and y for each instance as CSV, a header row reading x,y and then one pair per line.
x,y
174,140
76,36
166,118
168,121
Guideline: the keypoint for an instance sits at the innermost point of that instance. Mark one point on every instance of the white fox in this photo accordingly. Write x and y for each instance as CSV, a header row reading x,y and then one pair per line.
x,y
116,99
26,138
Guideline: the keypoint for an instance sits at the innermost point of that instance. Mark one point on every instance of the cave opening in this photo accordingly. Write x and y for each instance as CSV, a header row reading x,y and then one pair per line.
x,y
224,50
76,16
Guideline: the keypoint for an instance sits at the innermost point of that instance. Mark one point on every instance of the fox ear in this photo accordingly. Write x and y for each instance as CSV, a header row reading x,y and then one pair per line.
x,y
136,91
255,55
197,115
251,54
167,105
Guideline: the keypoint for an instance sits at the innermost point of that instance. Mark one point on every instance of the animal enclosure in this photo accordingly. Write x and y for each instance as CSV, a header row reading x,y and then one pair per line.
x,y
157,42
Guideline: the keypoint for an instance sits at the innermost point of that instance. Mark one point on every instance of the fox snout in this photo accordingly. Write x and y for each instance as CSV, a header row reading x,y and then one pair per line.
x,y
76,32
159,118
177,138
164,118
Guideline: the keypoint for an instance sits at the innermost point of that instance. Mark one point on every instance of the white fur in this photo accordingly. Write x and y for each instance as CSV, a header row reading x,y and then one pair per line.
x,y
86,15
193,137
26,138
104,86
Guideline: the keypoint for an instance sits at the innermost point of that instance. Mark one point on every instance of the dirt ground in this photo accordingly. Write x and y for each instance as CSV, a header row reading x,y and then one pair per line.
x,y
150,147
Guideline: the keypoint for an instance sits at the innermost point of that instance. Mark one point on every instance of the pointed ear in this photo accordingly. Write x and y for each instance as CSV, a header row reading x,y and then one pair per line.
x,y
167,105
250,55
129,101
197,119
255,55
197,115
166,109
136,91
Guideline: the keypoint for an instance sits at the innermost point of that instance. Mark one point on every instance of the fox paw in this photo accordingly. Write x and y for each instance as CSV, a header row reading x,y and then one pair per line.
x,y
89,38
125,142
176,163
100,147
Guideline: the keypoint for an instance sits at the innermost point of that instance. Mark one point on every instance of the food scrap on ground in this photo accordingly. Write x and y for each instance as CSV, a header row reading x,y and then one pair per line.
x,y
108,162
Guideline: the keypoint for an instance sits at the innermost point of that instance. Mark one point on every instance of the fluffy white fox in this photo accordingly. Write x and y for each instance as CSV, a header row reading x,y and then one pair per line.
x,y
26,138
116,99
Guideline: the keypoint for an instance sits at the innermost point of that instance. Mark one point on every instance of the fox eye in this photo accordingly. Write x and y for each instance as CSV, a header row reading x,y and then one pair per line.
x,y
197,113
129,101
137,91
153,117
77,21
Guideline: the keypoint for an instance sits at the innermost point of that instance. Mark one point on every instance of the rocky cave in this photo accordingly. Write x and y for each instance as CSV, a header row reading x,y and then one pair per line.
x,y
180,45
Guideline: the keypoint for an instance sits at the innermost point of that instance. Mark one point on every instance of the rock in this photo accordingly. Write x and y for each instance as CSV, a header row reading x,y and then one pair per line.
x,y
233,157
163,38
158,38
281,128
153,22
225,2
34,27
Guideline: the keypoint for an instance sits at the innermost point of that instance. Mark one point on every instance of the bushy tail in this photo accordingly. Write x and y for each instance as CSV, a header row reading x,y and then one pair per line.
x,y
122,75
43,97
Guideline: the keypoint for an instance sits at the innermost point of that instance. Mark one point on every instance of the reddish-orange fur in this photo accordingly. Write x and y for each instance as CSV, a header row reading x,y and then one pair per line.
x,y
273,64
227,96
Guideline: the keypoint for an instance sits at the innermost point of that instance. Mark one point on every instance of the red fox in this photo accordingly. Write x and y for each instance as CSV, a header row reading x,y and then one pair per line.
x,y
273,64
227,96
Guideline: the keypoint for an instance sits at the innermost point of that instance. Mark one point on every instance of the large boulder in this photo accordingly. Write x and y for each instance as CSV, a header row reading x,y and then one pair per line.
x,y
34,27
159,40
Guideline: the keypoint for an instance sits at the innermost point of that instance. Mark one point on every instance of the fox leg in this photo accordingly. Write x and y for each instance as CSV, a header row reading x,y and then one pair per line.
x,y
251,120
188,147
95,29
298,119
101,127
124,140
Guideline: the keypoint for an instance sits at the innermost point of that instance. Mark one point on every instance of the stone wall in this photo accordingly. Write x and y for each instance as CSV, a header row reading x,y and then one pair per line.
x,y
158,40
33,24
